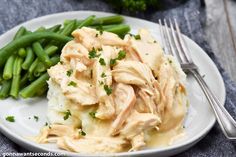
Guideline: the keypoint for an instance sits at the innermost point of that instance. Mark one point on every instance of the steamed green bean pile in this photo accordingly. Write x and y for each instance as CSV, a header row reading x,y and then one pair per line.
x,y
24,61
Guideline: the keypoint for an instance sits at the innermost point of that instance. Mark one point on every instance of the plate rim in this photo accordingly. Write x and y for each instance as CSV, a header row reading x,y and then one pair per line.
x,y
29,144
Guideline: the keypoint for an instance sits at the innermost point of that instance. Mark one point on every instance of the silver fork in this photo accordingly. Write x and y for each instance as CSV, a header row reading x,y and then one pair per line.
x,y
174,42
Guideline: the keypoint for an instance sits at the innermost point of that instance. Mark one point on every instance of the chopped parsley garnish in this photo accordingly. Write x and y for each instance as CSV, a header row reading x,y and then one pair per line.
x,y
100,31
101,82
102,61
36,118
93,54
112,62
103,75
107,89
67,114
10,118
137,37
46,124
154,41
81,132
170,61
69,72
61,62
121,55
93,114
96,35
72,83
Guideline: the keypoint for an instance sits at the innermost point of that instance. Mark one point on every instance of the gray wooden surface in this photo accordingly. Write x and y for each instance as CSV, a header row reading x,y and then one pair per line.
x,y
221,32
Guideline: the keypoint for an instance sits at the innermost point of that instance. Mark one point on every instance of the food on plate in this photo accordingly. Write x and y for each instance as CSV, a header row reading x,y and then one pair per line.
x,y
109,94
24,61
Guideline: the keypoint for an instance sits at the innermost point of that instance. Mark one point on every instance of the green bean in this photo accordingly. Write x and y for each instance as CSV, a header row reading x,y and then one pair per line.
x,y
26,40
15,85
120,30
42,68
32,67
31,77
54,28
22,52
29,58
24,80
41,54
68,29
1,78
8,68
28,32
67,21
42,90
30,90
4,92
21,31
115,19
17,66
51,50
40,29
88,21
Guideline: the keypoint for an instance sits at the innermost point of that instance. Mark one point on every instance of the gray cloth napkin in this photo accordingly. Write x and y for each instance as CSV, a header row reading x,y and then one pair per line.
x,y
191,17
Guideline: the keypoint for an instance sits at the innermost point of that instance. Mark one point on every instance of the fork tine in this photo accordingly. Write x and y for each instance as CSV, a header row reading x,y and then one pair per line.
x,y
162,36
177,44
182,42
168,39
167,48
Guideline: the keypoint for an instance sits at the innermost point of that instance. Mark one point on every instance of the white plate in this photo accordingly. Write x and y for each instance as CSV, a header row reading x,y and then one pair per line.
x,y
198,122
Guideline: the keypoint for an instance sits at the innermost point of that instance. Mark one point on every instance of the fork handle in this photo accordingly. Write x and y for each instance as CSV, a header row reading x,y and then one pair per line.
x,y
226,122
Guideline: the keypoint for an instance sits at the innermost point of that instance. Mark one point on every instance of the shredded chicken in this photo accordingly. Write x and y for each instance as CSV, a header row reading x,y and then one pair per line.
x,y
92,38
125,101
74,89
133,72
92,144
148,50
111,95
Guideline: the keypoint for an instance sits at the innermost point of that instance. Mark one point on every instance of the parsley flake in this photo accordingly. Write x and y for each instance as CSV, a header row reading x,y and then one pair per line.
x,y
69,72
72,83
67,114
107,89
112,62
121,55
101,82
10,118
96,35
102,61
93,54
82,133
92,114
103,75
137,37
46,124
36,118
